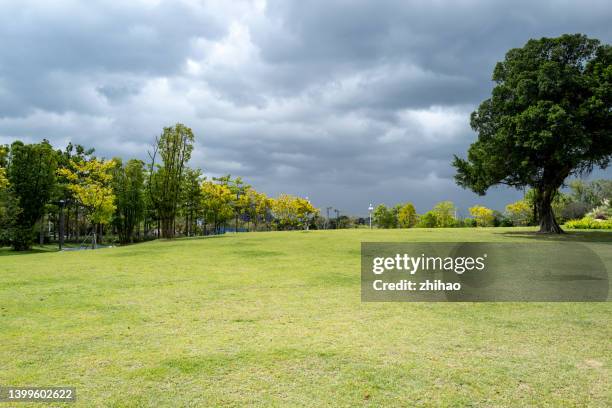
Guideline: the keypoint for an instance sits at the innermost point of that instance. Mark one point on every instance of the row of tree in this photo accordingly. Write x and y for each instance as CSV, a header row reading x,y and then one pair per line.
x,y
72,194
584,198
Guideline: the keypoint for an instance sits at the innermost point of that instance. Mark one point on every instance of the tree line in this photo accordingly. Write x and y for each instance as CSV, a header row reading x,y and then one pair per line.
x,y
70,194
587,202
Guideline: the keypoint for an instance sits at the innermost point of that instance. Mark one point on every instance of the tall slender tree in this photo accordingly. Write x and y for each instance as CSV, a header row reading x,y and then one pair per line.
x,y
128,187
191,199
171,152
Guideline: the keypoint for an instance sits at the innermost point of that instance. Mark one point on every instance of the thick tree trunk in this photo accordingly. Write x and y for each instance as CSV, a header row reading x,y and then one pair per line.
x,y
548,223
167,228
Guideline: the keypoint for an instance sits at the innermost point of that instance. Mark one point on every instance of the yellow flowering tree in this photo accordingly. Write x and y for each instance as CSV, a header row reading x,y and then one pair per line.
x,y
519,212
90,183
217,201
291,211
406,216
484,216
255,206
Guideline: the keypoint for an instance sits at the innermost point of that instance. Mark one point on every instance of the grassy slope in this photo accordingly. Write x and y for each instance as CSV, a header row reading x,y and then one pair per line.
x,y
276,319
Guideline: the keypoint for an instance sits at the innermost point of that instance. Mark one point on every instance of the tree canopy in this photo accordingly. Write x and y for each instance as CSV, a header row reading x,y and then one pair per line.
x,y
549,117
31,176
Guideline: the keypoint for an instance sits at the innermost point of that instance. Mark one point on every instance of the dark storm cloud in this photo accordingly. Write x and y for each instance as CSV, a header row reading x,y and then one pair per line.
x,y
347,102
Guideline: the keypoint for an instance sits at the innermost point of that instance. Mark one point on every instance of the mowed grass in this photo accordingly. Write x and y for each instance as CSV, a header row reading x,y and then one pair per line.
x,y
275,319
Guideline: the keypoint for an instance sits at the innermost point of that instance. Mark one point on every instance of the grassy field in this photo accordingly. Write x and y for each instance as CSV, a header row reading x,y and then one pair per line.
x,y
271,319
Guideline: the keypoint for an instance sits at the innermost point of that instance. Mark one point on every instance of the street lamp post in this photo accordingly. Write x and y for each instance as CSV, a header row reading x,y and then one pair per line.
x,y
370,209
61,224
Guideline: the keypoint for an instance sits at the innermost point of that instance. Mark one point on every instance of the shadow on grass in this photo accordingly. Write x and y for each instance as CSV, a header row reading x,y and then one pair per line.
x,y
569,236
6,251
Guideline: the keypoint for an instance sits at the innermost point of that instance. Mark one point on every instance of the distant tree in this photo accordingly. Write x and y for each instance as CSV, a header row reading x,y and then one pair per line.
x,y
344,221
72,210
483,216
128,187
519,212
217,202
591,193
9,208
407,216
428,220
91,184
549,117
31,174
384,217
256,206
191,199
3,159
292,212
305,212
445,214
174,148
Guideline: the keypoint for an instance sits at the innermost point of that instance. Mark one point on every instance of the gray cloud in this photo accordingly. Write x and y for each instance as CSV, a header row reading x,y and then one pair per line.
x,y
347,102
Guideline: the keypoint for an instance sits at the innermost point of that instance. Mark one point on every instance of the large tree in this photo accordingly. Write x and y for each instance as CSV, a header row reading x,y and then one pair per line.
x,y
174,147
31,176
549,117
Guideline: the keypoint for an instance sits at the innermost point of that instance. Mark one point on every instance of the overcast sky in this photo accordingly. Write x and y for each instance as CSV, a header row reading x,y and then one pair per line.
x,y
346,102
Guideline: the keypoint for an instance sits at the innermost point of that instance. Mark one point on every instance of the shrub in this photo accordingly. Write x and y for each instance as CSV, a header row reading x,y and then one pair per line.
x,y
602,212
469,222
589,223
428,220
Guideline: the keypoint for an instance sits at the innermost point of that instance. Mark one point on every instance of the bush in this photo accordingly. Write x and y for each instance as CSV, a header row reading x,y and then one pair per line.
x,y
589,223
602,212
469,222
428,220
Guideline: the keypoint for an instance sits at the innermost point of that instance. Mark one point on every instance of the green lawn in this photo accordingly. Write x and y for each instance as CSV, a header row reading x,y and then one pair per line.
x,y
273,319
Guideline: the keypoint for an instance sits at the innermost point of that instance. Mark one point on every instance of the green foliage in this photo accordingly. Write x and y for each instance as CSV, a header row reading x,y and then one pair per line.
x,y
428,220
174,148
31,175
191,198
549,117
384,217
469,222
589,223
591,193
128,188
601,212
3,159
407,216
